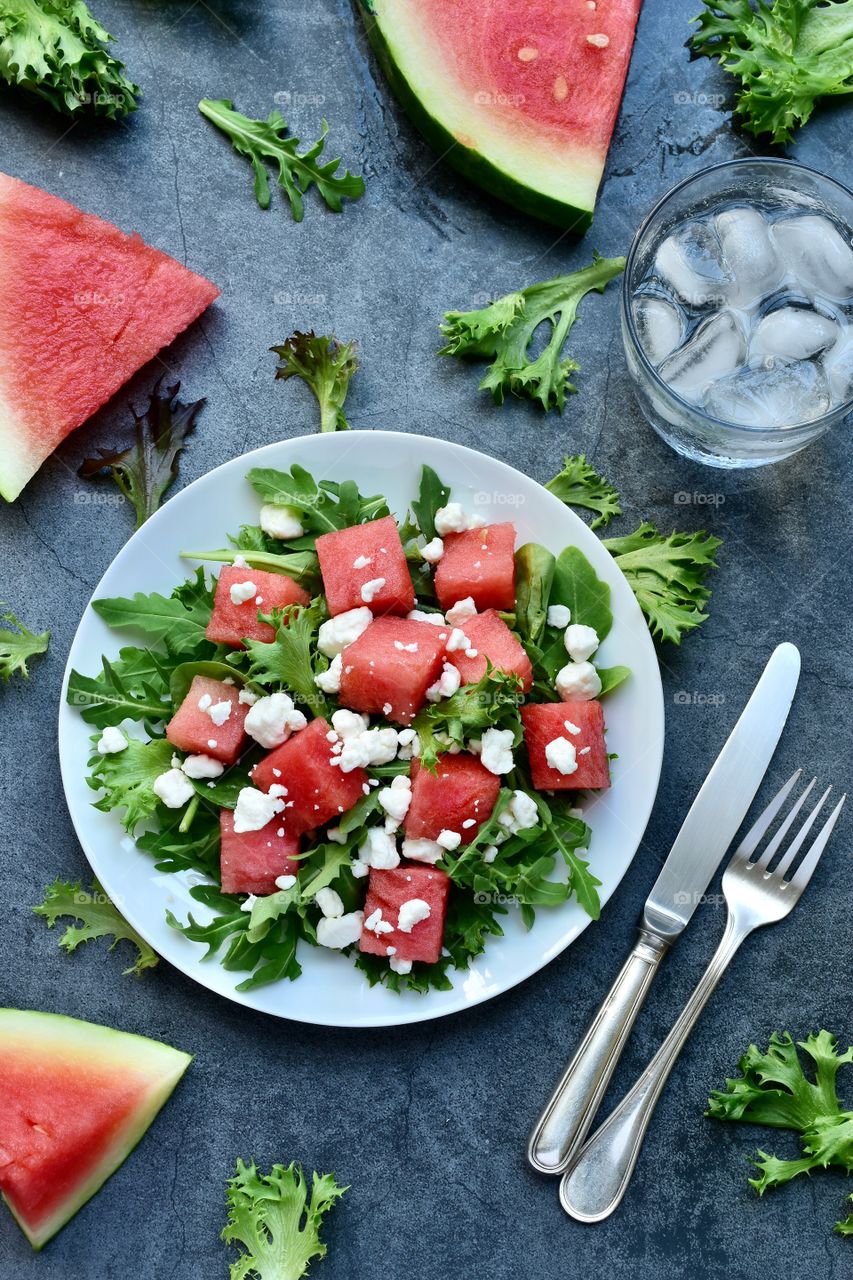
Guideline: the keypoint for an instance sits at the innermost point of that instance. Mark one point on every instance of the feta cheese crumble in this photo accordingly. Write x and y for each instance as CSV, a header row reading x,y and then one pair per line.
x,y
246,698
561,755
422,850
340,931
449,839
111,741
400,966
379,850
336,633
255,809
377,925
419,615
203,767
412,913
520,814
285,882
330,903
450,519
559,616
581,642
272,719
242,591
496,751
433,551
330,681
280,522
459,612
446,684
361,562
174,788
220,712
578,682
371,589
457,640
395,800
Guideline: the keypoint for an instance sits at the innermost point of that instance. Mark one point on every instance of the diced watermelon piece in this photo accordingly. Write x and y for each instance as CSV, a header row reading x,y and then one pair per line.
x,y
479,563
191,728
460,791
251,861
352,558
492,639
545,721
82,307
389,668
387,891
317,789
232,623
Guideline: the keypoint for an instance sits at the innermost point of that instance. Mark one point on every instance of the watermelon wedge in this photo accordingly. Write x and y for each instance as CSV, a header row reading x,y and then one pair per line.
x,y
519,95
82,307
76,1099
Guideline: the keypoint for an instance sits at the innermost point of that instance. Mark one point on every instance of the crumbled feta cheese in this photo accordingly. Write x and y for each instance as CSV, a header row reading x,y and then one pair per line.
x,y
419,615
255,809
581,642
470,653
272,720
449,839
571,727
203,767
285,882
470,822
459,612
578,682
395,800
348,724
423,850
496,751
412,913
446,684
400,966
450,519
584,751
174,788
242,591
377,925
330,903
433,551
379,850
412,647
336,835
371,589
520,814
370,747
359,869
336,633
220,712
330,681
247,698
561,755
111,741
204,702
408,744
249,903
361,562
340,931
457,640
490,853
280,522
240,562
212,743
559,616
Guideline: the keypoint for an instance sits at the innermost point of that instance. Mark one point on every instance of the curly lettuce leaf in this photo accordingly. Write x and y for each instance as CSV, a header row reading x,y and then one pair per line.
x,y
17,645
326,366
96,916
667,573
127,779
492,703
580,485
290,659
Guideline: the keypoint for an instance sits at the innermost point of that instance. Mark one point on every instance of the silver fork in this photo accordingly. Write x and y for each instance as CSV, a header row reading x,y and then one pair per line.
x,y
597,1179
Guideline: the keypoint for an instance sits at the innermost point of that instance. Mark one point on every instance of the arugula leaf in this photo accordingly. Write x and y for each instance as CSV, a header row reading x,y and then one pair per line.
x,y
134,687
534,579
99,918
580,485
503,332
18,645
178,620
326,366
145,470
195,849
667,575
267,958
774,1090
57,50
432,494
787,55
127,777
322,507
289,659
493,702
266,140
272,1217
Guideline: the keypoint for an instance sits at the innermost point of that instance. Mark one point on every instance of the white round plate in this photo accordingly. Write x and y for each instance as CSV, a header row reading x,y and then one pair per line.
x,y
331,992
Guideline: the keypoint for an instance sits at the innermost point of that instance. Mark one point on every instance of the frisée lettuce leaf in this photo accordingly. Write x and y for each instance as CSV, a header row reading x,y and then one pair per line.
x,y
96,916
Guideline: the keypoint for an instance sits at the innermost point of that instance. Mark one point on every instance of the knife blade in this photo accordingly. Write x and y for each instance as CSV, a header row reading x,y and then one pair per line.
x,y
706,833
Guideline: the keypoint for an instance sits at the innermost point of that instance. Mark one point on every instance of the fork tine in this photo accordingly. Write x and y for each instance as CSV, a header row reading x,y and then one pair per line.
x,y
799,840
804,871
759,829
776,843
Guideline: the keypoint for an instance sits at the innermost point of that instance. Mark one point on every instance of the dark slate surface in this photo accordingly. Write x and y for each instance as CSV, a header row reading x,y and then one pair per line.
x,y
429,1124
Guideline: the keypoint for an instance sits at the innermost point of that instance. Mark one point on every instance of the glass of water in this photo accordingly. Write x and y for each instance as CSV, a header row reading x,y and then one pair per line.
x,y
737,312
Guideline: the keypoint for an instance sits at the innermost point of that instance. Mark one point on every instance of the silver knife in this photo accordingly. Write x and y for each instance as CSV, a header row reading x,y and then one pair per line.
x,y
707,831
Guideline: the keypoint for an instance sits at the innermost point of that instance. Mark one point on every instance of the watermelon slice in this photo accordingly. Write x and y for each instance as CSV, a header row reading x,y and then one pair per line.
x,y
459,796
76,1100
479,563
82,307
493,642
386,892
519,95
582,724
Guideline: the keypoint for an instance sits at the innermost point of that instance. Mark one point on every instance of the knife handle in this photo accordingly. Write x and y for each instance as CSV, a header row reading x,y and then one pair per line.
x,y
569,1114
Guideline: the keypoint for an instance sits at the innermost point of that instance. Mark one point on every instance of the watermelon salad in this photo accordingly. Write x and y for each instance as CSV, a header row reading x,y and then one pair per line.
x,y
368,735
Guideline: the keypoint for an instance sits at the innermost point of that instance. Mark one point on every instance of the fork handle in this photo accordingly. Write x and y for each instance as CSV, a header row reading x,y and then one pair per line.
x,y
597,1180
566,1120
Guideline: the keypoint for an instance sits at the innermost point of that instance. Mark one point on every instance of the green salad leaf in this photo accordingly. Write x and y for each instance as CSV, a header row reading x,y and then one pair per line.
x,y
127,779
503,332
98,917
179,620
667,574
492,703
267,141
580,485
322,507
196,848
326,366
433,493
788,55
148,467
291,658
17,645
275,1222
134,687
534,578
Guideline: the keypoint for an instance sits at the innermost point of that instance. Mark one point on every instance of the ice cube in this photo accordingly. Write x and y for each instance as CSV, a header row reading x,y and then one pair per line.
x,y
785,394
660,326
717,348
793,332
748,254
816,255
688,262
838,364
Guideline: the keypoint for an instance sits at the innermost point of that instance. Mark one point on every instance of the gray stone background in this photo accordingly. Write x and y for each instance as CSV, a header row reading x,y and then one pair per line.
x,y
428,1125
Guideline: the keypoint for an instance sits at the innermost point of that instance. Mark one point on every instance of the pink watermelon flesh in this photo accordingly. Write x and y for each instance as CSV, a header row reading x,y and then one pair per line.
x,y
365,553
387,891
389,668
460,791
479,563
76,1100
191,728
493,640
232,623
545,721
251,861
82,307
317,790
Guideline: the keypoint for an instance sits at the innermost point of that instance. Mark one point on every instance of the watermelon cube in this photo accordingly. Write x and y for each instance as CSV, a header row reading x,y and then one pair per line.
x,y
389,668
493,640
386,892
479,563
366,565
459,796
192,728
232,623
317,789
251,861
545,721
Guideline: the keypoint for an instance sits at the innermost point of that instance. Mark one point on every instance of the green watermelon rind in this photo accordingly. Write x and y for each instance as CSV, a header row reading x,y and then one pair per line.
x,y
167,1066
470,163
